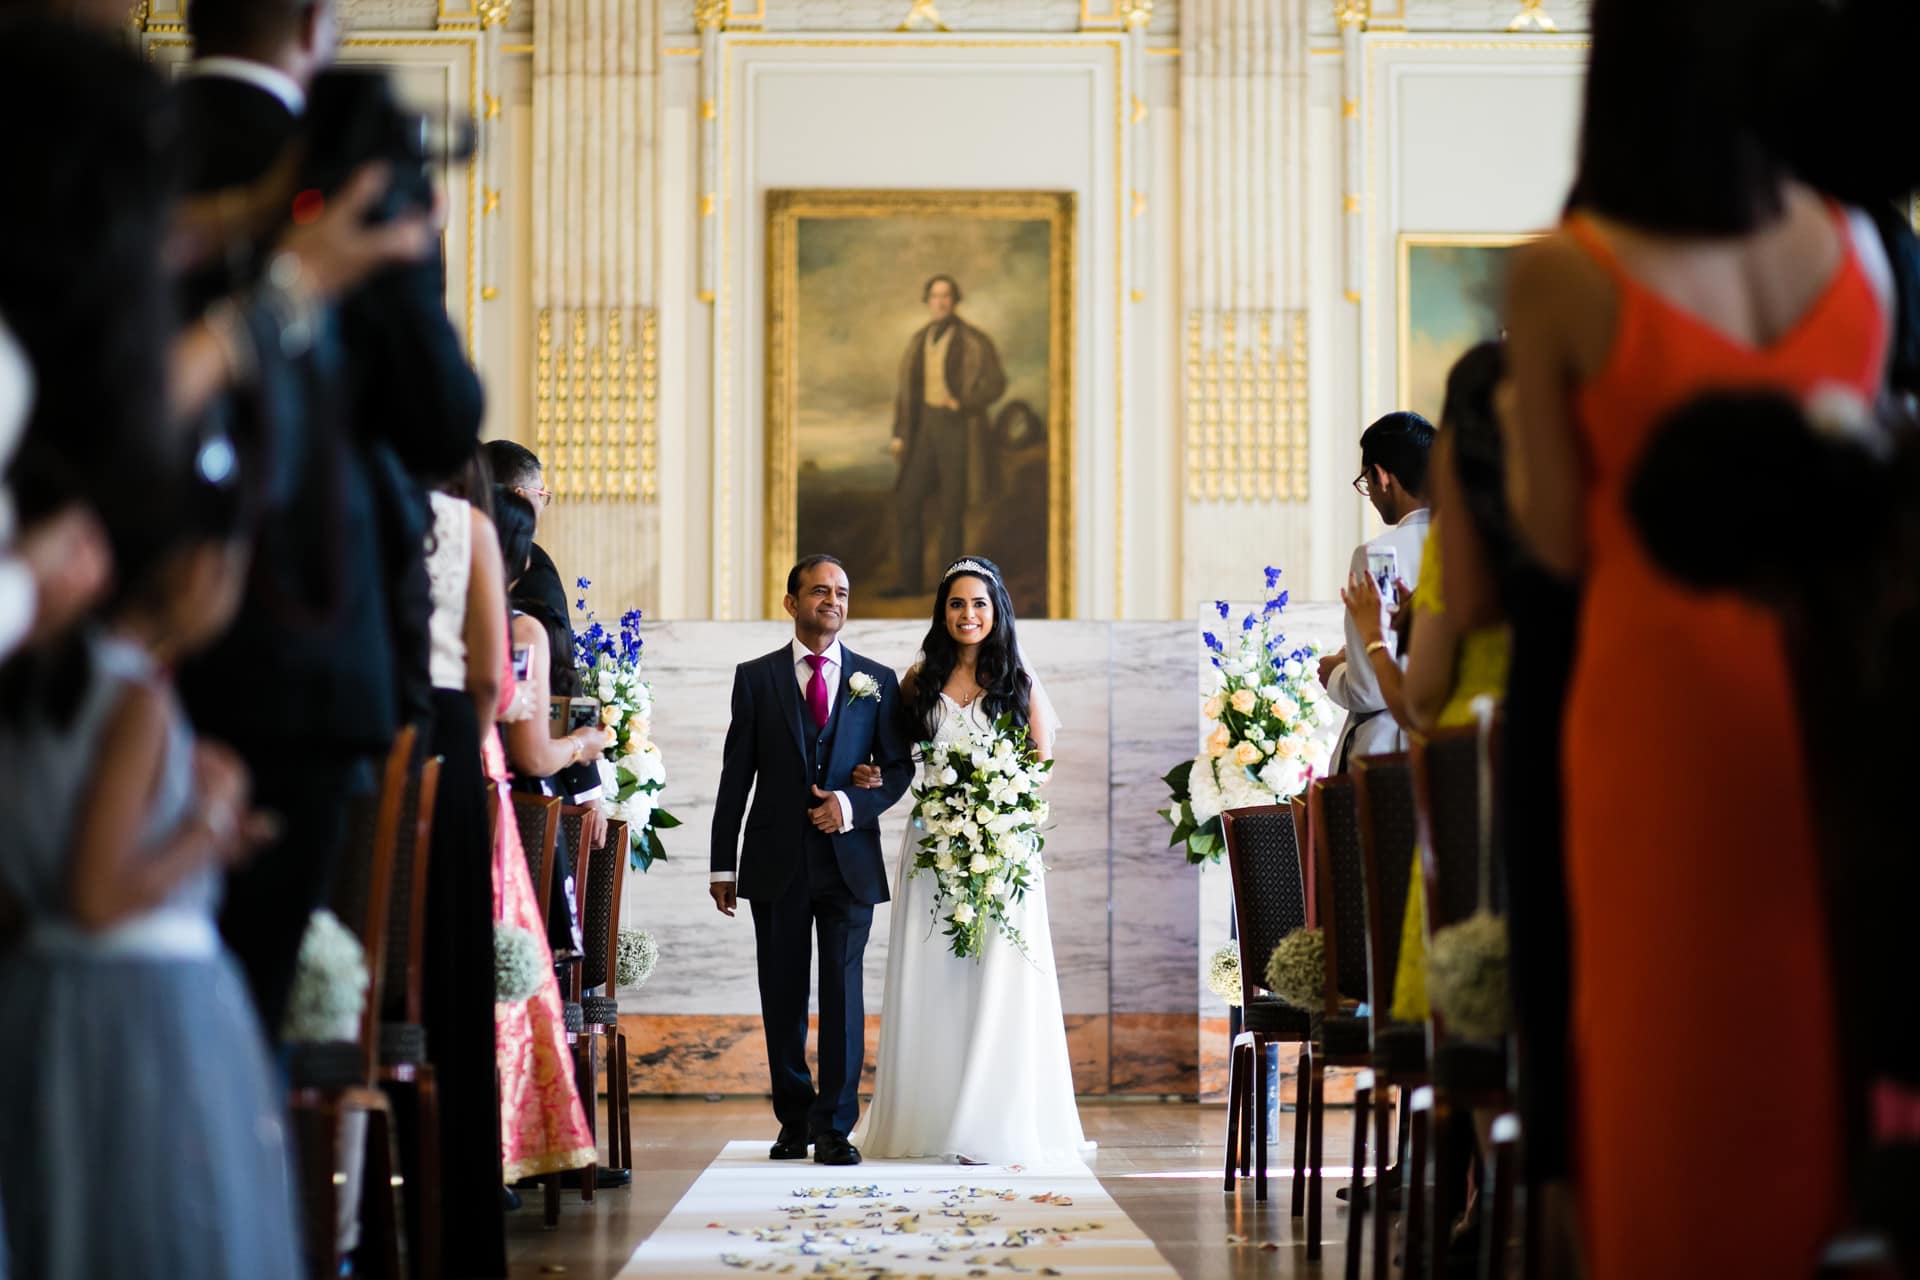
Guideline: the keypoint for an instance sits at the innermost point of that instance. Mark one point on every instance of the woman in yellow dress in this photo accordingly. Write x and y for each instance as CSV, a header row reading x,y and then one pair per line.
x,y
1449,666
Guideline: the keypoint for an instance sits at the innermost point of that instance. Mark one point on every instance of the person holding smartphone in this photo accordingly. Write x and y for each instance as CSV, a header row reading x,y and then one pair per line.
x,y
1393,478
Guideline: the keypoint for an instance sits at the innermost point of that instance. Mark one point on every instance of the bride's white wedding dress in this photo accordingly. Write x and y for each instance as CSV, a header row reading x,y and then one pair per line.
x,y
973,1059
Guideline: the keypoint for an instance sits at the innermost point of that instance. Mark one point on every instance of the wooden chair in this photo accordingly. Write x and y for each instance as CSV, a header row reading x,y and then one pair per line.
x,y
1269,902
1383,789
538,818
331,1081
600,928
1465,1073
573,832
404,1067
1341,1037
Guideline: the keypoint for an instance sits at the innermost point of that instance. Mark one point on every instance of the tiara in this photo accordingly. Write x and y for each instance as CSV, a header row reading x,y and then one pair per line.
x,y
971,566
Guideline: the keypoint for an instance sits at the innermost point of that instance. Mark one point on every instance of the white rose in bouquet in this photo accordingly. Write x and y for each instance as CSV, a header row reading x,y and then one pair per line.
x,y
978,864
996,888
949,776
963,913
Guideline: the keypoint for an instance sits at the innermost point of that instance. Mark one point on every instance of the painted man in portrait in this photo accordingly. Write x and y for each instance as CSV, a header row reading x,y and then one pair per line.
x,y
949,378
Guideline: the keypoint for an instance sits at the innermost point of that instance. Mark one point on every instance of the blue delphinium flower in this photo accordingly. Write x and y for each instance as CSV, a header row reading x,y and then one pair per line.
x,y
1221,605
1273,577
583,583
1248,623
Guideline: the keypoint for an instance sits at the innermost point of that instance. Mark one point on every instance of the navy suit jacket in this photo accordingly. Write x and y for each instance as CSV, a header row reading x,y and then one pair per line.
x,y
766,753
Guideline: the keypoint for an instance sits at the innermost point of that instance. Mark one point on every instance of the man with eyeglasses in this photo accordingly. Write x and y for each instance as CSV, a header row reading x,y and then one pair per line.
x,y
1393,477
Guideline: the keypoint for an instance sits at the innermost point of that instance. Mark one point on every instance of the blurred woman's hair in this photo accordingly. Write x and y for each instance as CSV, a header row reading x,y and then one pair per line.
x,y
513,521
1676,133
1471,426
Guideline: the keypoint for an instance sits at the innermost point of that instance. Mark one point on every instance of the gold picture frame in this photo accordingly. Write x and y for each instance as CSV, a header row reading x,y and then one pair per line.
x,y
787,212
1439,325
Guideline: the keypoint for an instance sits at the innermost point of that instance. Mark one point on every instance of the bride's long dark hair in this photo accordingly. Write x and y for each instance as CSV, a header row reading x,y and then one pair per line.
x,y
1006,689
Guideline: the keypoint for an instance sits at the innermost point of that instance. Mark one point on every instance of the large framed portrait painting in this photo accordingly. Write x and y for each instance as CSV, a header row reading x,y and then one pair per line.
x,y
919,391
1453,291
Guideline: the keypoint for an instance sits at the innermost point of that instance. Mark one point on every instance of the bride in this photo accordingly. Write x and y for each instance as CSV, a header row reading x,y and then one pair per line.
x,y
973,1061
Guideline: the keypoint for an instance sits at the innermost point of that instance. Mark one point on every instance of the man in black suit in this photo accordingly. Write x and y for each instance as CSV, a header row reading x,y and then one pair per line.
x,y
328,654
804,717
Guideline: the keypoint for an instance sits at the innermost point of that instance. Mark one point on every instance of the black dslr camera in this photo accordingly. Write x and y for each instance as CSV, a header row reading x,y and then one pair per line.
x,y
354,118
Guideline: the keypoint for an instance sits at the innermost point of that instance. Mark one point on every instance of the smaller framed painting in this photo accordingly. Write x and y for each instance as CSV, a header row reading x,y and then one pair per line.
x,y
1453,292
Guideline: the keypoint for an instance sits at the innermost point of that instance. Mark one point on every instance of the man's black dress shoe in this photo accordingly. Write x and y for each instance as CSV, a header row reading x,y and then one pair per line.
x,y
792,1144
833,1148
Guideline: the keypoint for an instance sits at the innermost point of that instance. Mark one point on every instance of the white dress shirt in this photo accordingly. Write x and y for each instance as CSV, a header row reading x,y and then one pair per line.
x,y
1352,685
803,673
258,74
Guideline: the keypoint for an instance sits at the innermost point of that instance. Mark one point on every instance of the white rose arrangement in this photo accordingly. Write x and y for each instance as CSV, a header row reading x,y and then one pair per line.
x,y
1271,729
980,808
633,770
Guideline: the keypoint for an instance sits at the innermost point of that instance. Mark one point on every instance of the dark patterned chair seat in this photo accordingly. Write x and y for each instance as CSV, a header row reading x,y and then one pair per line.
x,y
575,1018
600,1011
403,1044
1400,1049
1471,1066
326,1064
1344,1035
1275,1017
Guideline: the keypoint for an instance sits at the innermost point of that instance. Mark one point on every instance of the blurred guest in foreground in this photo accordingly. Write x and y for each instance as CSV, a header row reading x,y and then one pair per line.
x,y
1690,259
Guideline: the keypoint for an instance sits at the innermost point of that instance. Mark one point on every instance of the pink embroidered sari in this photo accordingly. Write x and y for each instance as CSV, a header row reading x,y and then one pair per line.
x,y
542,1126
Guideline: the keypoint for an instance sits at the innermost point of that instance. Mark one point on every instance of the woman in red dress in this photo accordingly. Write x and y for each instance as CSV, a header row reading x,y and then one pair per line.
x,y
1708,1138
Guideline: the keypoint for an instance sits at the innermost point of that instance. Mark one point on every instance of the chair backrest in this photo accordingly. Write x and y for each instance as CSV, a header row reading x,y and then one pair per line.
x,y
1342,888
600,928
539,820
1269,893
407,918
363,889
573,834
1303,841
1383,787
1446,788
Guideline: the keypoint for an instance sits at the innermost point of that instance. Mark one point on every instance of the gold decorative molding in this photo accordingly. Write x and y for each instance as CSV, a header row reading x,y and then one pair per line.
x,y
707,109
489,202
1139,13
488,293
710,15
1139,208
707,205
1533,17
1351,204
1352,13
1247,415
594,411
923,11
493,13
492,111
1350,108
1139,110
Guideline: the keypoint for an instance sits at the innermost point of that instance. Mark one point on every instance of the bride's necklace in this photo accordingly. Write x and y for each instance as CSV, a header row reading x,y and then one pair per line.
x,y
969,700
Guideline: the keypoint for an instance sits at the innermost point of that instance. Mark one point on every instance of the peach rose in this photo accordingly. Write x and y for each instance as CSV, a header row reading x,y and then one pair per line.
x,y
1247,754
1212,708
1244,701
1220,743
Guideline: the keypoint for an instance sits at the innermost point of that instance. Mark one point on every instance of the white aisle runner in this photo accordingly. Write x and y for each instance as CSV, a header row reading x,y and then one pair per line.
x,y
894,1220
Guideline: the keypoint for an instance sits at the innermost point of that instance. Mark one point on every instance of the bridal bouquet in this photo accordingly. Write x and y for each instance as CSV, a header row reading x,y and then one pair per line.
x,y
1270,720
609,663
979,804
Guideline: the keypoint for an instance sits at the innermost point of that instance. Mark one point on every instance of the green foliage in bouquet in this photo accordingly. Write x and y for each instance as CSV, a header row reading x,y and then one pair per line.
x,y
1297,969
1467,976
519,962
638,954
1223,974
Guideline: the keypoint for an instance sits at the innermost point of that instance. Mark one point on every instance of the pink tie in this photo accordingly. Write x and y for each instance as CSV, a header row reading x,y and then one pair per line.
x,y
817,690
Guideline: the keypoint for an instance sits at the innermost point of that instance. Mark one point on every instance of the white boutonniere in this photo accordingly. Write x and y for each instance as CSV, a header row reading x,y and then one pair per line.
x,y
861,685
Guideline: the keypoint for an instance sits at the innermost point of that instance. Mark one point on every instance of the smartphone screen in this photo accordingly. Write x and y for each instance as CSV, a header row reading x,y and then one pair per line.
x,y
1383,565
582,712
522,662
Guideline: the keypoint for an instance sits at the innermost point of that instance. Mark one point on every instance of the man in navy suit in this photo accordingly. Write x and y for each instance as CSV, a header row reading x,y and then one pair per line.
x,y
804,717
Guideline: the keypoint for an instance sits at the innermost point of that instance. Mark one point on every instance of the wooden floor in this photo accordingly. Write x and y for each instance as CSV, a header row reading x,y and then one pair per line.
x,y
1160,1161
